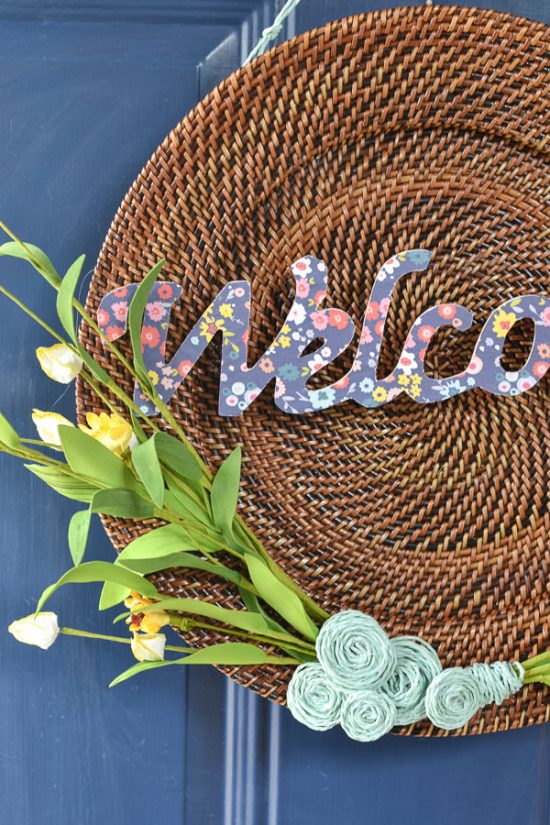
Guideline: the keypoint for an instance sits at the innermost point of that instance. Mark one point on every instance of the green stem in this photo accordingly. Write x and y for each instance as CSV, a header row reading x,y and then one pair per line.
x,y
71,631
183,623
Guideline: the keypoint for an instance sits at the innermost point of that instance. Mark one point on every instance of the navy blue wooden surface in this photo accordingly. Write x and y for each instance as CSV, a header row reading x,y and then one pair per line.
x,y
87,91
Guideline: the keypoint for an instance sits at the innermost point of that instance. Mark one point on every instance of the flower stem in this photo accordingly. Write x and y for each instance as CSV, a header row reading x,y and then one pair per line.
x,y
71,631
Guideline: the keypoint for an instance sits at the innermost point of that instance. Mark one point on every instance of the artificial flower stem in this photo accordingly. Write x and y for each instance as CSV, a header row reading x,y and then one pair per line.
x,y
184,623
28,311
71,631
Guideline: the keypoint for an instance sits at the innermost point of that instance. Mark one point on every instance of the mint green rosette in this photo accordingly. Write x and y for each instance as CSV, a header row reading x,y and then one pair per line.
x,y
367,715
459,692
312,699
354,651
417,665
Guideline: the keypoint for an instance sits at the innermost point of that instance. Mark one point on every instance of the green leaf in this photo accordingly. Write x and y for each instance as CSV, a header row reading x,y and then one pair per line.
x,y
92,365
112,594
253,622
121,503
37,259
176,499
65,297
79,527
135,319
188,560
8,436
147,466
100,571
177,457
226,653
225,492
163,541
64,484
90,458
283,600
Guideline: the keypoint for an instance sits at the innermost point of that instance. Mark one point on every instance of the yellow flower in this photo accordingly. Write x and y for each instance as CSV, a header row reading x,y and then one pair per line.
x,y
416,378
284,341
59,363
503,322
404,380
153,377
48,423
379,394
414,391
148,622
226,311
110,430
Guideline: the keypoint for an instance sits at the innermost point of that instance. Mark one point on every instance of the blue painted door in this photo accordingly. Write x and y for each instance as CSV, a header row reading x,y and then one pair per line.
x,y
87,91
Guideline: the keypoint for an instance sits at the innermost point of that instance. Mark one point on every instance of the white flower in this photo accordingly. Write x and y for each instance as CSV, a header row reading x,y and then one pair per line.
x,y
41,630
59,362
148,647
48,423
297,314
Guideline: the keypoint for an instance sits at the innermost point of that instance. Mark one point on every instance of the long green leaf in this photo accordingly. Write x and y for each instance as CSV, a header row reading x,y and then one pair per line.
x,y
253,622
225,492
283,600
188,560
121,503
63,484
177,457
65,297
147,466
135,318
100,571
226,653
8,436
37,259
163,541
89,458
79,527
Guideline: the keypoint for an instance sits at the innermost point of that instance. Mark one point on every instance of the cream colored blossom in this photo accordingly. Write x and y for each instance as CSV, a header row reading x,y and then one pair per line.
x,y
59,362
41,630
48,424
148,647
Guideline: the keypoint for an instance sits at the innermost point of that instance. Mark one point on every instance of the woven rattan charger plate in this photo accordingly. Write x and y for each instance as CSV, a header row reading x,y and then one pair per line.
x,y
415,127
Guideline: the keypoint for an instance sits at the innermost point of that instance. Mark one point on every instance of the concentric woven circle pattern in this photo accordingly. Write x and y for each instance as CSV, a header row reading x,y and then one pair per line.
x,y
415,127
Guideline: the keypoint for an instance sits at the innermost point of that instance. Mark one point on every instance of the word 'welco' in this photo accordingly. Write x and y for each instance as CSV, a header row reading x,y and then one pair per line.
x,y
229,316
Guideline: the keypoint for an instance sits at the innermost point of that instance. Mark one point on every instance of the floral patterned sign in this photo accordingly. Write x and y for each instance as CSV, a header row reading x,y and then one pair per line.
x,y
284,362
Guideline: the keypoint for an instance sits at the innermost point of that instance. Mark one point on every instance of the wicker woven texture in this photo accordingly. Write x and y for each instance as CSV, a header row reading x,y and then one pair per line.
x,y
415,127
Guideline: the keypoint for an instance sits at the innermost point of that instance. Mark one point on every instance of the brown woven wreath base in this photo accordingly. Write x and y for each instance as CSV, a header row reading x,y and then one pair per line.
x,y
415,127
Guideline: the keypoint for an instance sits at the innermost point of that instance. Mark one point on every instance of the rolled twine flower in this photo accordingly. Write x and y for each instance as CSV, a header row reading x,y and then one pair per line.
x,y
354,651
312,699
417,665
367,715
456,694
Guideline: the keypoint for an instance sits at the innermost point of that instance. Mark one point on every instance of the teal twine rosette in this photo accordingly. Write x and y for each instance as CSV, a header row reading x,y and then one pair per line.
x,y
313,699
367,715
354,651
417,664
456,694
